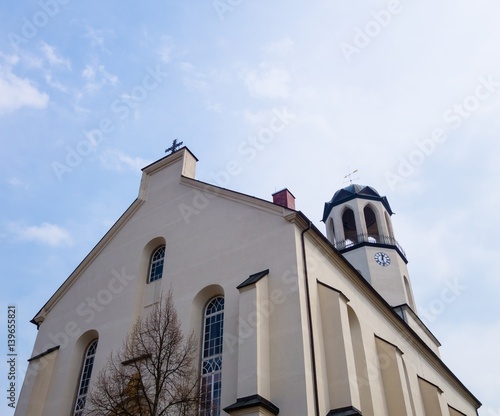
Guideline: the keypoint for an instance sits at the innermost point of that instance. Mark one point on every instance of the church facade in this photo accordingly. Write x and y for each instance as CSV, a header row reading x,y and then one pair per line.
x,y
299,323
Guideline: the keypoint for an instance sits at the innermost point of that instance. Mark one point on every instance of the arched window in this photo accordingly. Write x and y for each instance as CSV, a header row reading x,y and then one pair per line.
x,y
211,362
409,294
371,224
332,228
360,363
349,224
389,225
156,267
83,386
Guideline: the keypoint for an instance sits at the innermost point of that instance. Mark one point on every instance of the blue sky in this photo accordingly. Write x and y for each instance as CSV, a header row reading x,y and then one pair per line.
x,y
407,92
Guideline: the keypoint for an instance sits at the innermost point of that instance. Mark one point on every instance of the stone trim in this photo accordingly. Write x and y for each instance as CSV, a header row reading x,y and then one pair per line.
x,y
254,278
345,411
43,354
252,401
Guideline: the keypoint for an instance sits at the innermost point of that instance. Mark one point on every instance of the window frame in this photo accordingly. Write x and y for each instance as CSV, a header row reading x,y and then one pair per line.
x,y
153,274
211,357
85,377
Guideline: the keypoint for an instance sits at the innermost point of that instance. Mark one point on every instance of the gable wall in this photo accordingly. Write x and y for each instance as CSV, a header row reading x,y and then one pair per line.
x,y
224,243
388,349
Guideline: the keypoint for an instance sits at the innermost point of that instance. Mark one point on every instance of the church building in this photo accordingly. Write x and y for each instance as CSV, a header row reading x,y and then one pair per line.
x,y
299,323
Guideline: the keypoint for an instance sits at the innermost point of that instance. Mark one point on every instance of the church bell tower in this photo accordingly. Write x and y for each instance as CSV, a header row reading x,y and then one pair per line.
x,y
358,224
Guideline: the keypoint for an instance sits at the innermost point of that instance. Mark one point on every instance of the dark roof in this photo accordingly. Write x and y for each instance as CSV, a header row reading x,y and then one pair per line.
x,y
254,278
355,191
253,401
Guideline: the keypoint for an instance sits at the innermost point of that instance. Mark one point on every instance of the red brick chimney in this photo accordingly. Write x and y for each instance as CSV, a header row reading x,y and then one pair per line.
x,y
284,198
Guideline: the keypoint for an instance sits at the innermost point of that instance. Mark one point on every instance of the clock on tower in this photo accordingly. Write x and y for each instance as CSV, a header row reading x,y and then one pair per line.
x,y
358,223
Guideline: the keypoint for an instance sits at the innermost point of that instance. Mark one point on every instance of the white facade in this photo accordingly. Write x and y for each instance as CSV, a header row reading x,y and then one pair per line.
x,y
304,332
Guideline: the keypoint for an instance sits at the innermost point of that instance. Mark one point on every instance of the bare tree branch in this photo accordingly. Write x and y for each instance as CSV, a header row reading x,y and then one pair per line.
x,y
153,374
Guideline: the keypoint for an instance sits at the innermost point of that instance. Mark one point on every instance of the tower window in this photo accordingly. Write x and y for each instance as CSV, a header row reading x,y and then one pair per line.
x,y
156,268
83,387
389,225
409,293
332,228
211,363
371,223
349,223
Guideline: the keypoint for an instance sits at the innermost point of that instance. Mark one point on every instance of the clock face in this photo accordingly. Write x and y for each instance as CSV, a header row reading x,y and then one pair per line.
x,y
382,259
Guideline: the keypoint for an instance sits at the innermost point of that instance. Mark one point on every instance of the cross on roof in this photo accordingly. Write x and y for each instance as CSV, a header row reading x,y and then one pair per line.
x,y
349,175
174,146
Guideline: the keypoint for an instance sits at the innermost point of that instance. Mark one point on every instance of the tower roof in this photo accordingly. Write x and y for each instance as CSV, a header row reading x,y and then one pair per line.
x,y
355,191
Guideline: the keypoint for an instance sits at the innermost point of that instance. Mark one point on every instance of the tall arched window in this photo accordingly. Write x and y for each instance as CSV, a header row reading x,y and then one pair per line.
x,y
371,223
332,228
389,225
83,386
349,223
409,294
211,363
362,374
156,267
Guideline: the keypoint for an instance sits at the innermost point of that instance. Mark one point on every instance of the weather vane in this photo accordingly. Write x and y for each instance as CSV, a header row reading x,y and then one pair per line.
x,y
349,175
174,146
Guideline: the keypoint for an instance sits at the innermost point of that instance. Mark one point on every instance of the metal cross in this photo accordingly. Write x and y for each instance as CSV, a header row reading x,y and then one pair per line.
x,y
349,175
174,146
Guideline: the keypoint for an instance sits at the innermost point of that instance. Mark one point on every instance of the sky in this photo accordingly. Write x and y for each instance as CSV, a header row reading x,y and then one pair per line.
x,y
405,92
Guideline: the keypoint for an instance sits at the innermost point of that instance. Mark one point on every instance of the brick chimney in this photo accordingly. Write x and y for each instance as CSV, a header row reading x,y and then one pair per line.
x,y
284,198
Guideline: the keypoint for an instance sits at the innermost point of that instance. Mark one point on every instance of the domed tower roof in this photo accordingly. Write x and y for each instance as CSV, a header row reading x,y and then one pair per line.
x,y
355,191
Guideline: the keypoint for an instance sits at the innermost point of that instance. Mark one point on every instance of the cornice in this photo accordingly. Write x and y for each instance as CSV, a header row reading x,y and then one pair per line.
x,y
117,226
235,196
167,160
378,302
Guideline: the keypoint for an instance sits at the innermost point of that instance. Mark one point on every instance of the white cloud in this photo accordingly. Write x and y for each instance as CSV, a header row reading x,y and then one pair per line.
x,y
119,161
97,37
193,78
215,107
479,343
256,117
43,61
17,183
88,72
97,77
10,60
53,58
17,92
54,84
46,233
186,66
280,48
268,82
165,49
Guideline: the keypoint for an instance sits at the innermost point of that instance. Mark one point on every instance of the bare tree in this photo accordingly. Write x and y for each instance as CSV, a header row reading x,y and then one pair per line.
x,y
153,374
